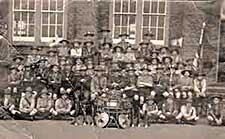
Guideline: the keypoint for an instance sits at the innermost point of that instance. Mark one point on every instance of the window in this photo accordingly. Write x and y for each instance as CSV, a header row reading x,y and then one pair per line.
x,y
52,19
50,25
124,20
154,12
137,17
23,20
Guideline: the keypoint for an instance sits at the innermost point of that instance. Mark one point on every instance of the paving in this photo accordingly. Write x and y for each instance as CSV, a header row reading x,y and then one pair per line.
x,y
63,130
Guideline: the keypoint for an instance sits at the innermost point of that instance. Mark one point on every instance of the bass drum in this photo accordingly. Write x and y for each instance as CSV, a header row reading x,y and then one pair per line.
x,y
124,121
102,119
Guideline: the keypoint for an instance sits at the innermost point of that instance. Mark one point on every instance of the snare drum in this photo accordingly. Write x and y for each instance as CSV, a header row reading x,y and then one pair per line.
x,y
102,119
124,120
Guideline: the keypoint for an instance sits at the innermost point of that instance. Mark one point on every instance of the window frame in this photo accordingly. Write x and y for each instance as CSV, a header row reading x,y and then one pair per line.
x,y
37,39
20,10
47,39
121,13
139,23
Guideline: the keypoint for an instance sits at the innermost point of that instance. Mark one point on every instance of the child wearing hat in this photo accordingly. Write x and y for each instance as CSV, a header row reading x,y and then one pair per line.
x,y
79,65
28,74
89,49
129,55
18,62
186,81
44,104
215,114
105,36
118,55
200,87
34,56
52,57
54,77
63,105
27,104
106,51
144,50
188,113
10,101
41,69
76,50
151,110
163,52
145,82
14,78
175,54
169,110
123,42
64,48
99,81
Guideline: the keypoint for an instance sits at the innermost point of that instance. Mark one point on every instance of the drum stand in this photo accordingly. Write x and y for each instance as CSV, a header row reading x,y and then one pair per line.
x,y
113,122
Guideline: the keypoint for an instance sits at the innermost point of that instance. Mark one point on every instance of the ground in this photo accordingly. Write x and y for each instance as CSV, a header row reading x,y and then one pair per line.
x,y
63,130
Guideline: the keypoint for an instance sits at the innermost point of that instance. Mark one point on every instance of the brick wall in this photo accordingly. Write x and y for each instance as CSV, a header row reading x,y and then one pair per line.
x,y
81,18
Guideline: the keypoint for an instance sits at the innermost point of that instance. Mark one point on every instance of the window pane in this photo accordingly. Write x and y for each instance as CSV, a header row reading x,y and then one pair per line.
x,y
44,31
146,6
124,20
16,4
59,31
146,21
124,30
44,18
60,5
60,18
53,5
24,4
117,20
125,6
132,19
24,17
31,18
133,6
161,7
31,31
161,21
23,31
52,18
145,30
153,21
160,34
154,7
45,4
52,31
31,4
16,16
153,30
117,6
116,32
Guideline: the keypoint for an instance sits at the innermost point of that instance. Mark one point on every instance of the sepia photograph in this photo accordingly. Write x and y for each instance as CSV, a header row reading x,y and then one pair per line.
x,y
112,69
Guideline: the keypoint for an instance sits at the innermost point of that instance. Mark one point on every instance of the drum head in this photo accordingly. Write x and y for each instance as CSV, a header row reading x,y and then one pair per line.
x,y
124,120
80,120
102,119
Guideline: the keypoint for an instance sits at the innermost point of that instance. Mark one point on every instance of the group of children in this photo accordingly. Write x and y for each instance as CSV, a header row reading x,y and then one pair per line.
x,y
60,81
